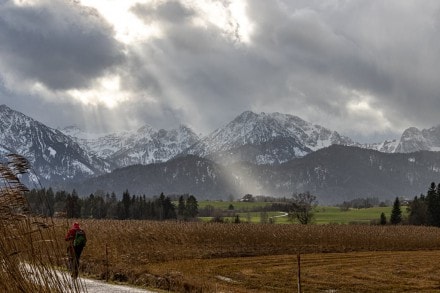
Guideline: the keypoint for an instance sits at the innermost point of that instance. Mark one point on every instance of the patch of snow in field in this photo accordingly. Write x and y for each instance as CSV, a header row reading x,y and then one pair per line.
x,y
226,279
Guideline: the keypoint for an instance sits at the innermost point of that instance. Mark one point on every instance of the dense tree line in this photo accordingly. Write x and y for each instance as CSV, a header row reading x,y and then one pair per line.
x,y
425,210
48,203
362,203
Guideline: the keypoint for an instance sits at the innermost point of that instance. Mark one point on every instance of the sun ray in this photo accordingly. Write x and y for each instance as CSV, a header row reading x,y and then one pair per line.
x,y
107,91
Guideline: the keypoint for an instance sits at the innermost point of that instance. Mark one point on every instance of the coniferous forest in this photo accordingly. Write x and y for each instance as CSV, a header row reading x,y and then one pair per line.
x,y
425,209
422,210
48,203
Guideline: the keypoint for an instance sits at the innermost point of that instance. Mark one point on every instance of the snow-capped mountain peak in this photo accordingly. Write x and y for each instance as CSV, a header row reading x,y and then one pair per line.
x,y
265,139
144,145
414,139
53,155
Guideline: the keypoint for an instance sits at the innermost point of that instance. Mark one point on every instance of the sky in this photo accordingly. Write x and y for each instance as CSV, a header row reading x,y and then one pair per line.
x,y
367,69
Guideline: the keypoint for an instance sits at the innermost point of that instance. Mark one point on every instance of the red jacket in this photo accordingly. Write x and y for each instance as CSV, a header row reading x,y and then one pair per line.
x,y
71,233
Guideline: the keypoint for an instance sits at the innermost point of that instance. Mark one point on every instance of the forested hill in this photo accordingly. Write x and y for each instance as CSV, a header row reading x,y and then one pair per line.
x,y
334,174
193,175
342,173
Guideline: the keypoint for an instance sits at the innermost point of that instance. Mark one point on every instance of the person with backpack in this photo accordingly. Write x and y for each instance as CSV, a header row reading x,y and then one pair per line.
x,y
77,240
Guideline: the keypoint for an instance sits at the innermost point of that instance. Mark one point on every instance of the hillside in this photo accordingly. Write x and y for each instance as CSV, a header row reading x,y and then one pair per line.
x,y
334,174
200,177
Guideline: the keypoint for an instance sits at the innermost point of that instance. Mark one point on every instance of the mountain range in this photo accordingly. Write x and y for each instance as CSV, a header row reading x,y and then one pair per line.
x,y
267,153
142,146
334,174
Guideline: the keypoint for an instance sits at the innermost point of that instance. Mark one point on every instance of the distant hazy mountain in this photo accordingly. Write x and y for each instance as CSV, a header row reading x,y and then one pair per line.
x,y
334,174
143,146
265,139
54,156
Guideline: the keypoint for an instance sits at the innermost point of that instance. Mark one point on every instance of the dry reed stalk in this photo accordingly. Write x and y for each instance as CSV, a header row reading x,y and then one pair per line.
x,y
30,249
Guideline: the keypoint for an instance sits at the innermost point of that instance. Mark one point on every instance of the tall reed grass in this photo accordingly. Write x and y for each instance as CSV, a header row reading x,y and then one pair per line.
x,y
32,254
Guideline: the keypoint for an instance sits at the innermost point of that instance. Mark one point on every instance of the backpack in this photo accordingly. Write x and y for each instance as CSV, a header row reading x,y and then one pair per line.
x,y
80,238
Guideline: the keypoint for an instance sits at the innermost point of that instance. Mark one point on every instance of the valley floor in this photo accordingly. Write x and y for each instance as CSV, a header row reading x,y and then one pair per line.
x,y
215,257
379,271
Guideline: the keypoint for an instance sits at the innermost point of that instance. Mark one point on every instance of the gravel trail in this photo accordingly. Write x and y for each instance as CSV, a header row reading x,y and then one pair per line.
x,y
94,286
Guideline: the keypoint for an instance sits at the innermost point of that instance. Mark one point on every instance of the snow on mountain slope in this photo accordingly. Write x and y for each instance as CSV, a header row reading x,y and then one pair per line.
x,y
53,155
413,140
265,139
315,137
143,146
387,146
105,145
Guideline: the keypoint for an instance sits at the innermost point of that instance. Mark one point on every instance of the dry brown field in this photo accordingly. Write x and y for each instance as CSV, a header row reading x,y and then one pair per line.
x,y
212,257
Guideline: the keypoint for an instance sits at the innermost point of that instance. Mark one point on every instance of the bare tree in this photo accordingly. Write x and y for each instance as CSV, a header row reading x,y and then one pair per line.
x,y
302,207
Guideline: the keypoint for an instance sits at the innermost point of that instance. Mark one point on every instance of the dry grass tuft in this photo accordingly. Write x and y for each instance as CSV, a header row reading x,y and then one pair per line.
x,y
30,248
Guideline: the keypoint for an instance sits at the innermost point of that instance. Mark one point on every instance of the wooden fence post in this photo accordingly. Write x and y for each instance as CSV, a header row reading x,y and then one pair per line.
x,y
106,263
298,257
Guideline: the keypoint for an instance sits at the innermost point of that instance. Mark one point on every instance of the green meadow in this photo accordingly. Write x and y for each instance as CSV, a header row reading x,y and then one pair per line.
x,y
322,214
238,205
334,215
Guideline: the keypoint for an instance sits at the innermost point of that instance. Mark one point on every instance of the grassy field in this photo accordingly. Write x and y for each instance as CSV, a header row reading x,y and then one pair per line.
x,y
334,215
238,205
323,215
214,257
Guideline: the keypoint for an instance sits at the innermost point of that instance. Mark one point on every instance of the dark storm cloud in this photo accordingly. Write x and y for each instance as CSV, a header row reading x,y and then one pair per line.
x,y
301,44
329,49
56,43
363,68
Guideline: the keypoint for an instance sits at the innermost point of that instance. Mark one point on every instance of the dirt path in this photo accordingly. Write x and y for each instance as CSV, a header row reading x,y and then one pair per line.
x,y
94,286
81,284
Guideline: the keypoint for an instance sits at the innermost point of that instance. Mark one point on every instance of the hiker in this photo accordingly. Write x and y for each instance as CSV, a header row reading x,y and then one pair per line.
x,y
77,238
